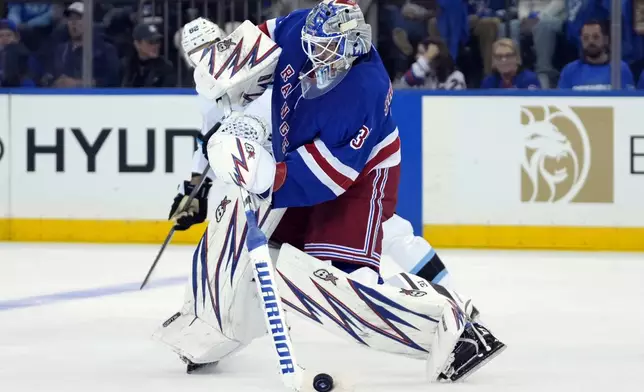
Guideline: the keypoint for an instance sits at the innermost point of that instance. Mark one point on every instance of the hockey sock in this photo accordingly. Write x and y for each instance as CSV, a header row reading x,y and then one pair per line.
x,y
431,268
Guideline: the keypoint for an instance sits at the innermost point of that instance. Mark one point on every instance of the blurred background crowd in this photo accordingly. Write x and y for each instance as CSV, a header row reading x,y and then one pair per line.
x,y
433,44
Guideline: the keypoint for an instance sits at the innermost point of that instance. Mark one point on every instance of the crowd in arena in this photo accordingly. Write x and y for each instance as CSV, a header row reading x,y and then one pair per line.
x,y
431,44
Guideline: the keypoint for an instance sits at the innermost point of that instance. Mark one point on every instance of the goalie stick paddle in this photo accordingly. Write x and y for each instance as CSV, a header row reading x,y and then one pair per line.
x,y
168,238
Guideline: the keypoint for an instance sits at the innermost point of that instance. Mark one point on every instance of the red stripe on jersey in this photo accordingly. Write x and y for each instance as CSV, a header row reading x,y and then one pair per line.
x,y
343,181
264,28
383,154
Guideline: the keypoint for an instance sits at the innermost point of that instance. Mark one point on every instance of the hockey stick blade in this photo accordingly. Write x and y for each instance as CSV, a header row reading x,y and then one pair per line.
x,y
168,238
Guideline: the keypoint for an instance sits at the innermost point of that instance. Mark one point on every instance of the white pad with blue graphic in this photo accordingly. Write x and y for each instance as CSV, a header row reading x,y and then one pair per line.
x,y
409,321
240,65
221,312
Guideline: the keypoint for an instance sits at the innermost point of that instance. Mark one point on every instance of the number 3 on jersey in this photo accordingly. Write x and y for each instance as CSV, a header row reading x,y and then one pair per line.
x,y
359,139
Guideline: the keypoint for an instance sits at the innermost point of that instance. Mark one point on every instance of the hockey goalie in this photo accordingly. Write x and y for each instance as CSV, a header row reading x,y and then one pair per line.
x,y
321,152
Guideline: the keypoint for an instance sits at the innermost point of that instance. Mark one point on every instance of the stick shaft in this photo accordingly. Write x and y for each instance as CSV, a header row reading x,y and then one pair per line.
x,y
168,238
274,316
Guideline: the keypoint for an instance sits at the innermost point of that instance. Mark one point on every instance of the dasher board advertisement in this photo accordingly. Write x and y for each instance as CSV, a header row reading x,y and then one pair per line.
x,y
534,171
94,167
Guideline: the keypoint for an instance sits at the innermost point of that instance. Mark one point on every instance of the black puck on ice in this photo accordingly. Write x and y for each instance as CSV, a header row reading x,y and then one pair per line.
x,y
323,382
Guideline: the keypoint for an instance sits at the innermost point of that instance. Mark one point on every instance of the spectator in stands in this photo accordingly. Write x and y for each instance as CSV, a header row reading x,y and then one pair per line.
x,y
543,20
30,14
484,19
508,72
410,24
405,25
581,11
434,68
458,20
632,36
285,7
34,20
451,24
14,57
145,68
592,71
67,67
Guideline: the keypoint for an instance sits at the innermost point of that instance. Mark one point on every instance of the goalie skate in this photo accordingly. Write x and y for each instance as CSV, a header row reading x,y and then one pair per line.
x,y
475,348
192,367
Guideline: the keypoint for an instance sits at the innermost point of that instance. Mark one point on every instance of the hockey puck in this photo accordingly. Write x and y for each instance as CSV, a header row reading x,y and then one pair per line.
x,y
323,382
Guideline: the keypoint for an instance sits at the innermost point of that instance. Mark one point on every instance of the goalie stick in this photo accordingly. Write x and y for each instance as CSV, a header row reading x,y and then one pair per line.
x,y
264,273
293,375
168,238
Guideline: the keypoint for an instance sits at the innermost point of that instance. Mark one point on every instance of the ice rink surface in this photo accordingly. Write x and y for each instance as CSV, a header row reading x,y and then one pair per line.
x,y
72,319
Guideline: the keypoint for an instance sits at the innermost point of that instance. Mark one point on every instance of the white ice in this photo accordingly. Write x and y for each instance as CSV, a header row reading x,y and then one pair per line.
x,y
572,322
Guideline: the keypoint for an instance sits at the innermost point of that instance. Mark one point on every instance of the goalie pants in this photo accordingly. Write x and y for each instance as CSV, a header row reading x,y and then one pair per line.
x,y
346,230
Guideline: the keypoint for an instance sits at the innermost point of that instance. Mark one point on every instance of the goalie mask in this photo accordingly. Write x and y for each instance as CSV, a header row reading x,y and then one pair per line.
x,y
334,35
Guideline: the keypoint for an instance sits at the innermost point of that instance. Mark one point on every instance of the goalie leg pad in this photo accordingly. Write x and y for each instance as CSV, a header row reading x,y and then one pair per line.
x,y
194,339
382,317
221,312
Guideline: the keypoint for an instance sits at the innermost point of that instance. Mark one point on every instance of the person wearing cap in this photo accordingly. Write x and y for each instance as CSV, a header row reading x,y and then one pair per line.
x,y
14,57
145,68
66,69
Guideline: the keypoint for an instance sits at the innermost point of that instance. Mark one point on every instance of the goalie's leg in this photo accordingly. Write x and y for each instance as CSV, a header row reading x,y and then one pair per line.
x,y
221,312
412,253
347,230
421,320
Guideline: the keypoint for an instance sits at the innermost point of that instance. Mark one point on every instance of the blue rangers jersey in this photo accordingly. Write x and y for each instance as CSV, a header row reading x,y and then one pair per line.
x,y
325,144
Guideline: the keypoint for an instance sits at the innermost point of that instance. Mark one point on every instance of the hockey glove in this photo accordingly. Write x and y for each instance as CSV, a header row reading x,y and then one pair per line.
x,y
184,215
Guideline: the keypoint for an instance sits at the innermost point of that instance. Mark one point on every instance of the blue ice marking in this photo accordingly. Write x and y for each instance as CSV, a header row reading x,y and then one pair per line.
x,y
49,299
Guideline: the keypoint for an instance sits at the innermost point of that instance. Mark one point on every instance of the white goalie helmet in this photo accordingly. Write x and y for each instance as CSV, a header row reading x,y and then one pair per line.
x,y
197,34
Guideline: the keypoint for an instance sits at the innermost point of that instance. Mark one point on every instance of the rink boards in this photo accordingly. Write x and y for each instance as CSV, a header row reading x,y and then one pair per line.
x,y
509,171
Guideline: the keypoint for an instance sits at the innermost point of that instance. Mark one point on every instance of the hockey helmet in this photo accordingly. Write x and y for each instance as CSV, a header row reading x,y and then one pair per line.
x,y
197,34
334,35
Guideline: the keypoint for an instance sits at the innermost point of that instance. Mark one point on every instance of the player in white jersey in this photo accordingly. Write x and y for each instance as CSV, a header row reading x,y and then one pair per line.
x,y
221,312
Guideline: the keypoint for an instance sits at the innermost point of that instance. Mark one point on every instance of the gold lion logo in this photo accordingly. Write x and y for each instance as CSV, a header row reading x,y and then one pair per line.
x,y
568,154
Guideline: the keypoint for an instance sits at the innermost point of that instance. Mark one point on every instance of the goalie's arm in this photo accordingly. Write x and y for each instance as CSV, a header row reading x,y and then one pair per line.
x,y
322,170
